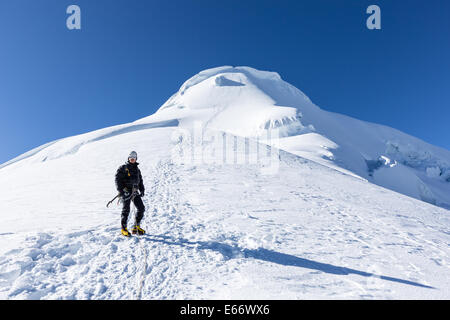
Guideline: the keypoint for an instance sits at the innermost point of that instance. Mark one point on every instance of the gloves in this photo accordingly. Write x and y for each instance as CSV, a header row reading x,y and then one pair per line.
x,y
142,193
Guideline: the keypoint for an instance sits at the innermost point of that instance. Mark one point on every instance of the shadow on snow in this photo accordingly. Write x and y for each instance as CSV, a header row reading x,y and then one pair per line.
x,y
230,252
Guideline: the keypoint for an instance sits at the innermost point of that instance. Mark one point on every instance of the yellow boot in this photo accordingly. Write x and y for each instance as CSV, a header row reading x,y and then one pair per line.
x,y
138,230
126,233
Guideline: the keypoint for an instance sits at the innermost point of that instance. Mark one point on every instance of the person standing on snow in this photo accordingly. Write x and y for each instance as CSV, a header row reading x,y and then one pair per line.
x,y
128,183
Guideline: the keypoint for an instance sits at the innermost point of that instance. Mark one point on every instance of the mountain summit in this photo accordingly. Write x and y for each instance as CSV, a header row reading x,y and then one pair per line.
x,y
239,100
247,102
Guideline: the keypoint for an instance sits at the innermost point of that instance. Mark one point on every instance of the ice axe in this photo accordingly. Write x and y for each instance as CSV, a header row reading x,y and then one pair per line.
x,y
107,205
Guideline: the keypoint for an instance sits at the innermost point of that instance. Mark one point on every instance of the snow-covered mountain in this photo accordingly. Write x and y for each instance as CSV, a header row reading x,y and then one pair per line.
x,y
247,102
300,215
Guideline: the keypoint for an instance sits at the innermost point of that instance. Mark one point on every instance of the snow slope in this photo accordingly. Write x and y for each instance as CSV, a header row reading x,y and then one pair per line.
x,y
219,227
246,102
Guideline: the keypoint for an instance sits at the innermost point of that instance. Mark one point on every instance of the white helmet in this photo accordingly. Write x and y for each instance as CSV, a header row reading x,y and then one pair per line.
x,y
133,155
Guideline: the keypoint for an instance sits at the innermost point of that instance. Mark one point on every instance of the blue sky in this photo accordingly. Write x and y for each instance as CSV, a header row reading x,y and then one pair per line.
x,y
130,56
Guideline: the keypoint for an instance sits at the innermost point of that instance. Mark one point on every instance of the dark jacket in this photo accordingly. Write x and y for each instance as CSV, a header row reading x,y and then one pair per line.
x,y
128,176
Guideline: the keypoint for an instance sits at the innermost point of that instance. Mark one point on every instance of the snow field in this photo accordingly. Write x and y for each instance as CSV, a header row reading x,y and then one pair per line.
x,y
225,231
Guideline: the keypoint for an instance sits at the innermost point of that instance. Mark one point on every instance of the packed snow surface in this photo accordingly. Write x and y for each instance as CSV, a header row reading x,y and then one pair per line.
x,y
334,208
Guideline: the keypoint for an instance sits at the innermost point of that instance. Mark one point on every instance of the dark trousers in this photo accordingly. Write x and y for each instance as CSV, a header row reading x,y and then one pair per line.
x,y
126,210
